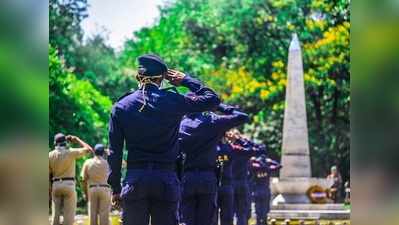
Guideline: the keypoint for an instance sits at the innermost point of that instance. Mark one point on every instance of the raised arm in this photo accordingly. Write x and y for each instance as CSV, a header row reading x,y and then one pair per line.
x,y
241,148
84,147
273,165
258,149
79,141
231,118
202,99
249,148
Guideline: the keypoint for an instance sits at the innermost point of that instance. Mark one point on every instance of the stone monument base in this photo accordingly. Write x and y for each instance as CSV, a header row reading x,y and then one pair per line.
x,y
293,199
309,211
293,189
292,202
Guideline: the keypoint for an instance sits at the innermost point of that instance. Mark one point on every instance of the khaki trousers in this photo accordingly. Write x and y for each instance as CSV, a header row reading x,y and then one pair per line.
x,y
99,205
63,197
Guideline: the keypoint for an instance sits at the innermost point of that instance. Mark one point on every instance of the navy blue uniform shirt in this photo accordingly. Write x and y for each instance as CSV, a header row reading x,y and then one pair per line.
x,y
152,135
261,170
224,152
243,151
200,133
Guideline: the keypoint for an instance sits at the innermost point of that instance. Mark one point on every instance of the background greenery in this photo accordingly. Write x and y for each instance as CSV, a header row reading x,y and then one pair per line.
x,y
237,47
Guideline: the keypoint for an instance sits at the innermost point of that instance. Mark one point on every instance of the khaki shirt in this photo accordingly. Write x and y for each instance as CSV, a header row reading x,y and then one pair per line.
x,y
62,161
95,170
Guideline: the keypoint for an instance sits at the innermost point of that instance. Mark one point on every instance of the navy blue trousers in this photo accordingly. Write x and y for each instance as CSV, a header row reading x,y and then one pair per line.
x,y
198,206
150,194
262,203
226,204
242,202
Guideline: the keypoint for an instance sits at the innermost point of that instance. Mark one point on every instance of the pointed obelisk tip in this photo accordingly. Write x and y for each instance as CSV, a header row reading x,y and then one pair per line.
x,y
294,42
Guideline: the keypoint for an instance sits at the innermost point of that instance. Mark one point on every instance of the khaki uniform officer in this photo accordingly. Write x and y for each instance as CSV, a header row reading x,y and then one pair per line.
x,y
95,174
62,173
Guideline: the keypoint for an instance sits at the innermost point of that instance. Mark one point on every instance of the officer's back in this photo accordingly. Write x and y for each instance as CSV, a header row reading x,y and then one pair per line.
x,y
243,150
246,149
261,168
225,198
224,151
148,121
154,130
201,132
94,176
199,136
62,173
96,170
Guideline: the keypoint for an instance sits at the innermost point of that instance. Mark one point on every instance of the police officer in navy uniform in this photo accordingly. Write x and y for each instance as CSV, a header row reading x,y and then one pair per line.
x,y
199,135
147,121
225,198
252,185
243,150
261,167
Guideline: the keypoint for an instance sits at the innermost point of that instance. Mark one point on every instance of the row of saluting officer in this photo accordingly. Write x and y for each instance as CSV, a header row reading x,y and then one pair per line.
x,y
157,127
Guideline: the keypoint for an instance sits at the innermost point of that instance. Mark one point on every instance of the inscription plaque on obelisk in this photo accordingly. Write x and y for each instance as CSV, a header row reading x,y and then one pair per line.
x,y
295,150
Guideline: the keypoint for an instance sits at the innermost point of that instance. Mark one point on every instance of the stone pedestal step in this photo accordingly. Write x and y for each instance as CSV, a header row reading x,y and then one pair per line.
x,y
308,207
310,214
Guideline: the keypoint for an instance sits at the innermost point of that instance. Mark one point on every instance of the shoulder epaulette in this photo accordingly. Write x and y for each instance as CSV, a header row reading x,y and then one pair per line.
x,y
126,94
174,89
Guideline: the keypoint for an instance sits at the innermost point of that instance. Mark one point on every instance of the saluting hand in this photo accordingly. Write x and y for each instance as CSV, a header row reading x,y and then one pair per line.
x,y
174,77
72,138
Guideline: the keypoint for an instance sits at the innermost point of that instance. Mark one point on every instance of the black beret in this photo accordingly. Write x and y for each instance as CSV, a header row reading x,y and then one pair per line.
x,y
151,65
59,138
99,149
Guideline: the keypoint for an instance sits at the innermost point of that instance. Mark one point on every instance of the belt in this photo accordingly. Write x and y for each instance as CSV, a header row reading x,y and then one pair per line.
x,y
98,185
152,166
63,178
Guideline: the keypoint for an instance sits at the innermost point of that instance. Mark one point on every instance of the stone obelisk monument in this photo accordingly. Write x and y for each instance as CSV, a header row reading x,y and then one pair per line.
x,y
292,187
295,151
295,176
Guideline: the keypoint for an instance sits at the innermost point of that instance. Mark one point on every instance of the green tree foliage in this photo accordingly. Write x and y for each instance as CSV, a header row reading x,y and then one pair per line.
x,y
240,48
76,107
92,59
65,32
98,63
85,81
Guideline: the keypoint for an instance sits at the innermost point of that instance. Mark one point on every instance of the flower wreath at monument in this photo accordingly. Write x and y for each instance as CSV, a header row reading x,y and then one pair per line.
x,y
317,194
